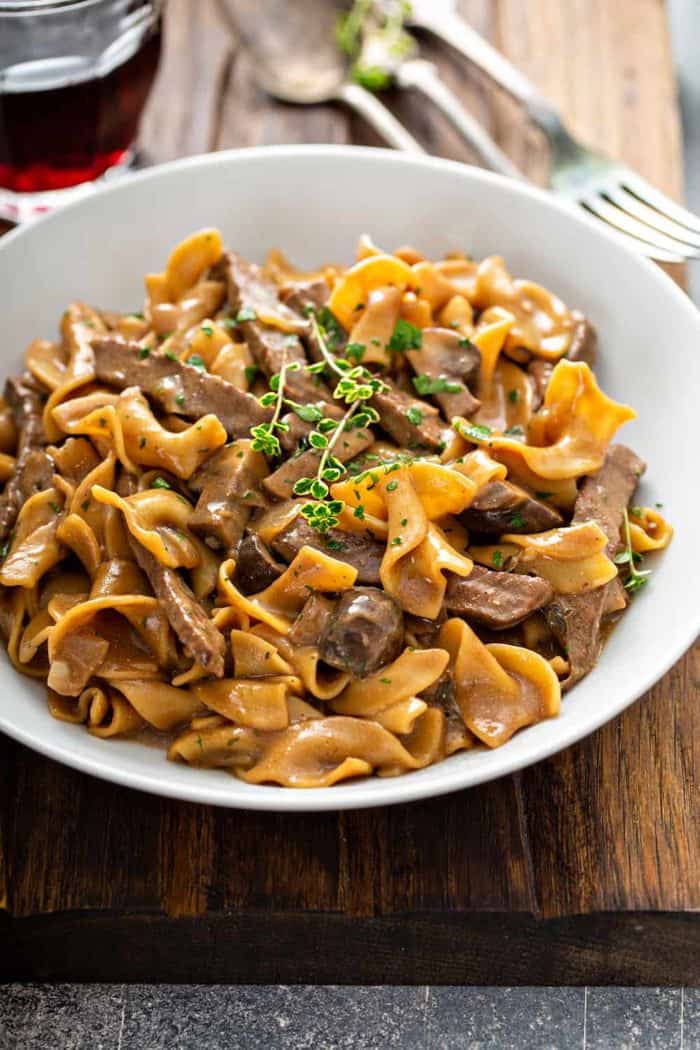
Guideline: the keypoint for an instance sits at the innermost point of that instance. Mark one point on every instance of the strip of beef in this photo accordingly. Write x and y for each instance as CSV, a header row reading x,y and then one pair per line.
x,y
496,599
584,341
575,619
503,507
270,345
311,294
444,355
423,430
540,372
362,552
229,487
186,616
313,619
271,348
177,387
299,295
33,467
364,633
256,568
251,291
281,482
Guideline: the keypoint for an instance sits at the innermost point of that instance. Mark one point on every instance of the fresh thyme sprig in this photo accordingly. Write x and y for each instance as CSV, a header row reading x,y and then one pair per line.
x,y
264,437
637,577
355,386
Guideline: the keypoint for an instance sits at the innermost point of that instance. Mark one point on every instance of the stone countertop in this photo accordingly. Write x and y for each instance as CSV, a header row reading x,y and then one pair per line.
x,y
192,1017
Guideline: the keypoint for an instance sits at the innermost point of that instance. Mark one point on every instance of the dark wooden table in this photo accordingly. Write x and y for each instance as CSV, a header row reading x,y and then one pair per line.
x,y
583,869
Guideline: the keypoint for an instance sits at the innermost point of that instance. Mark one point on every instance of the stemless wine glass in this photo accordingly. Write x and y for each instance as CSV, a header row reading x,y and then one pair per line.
x,y
74,78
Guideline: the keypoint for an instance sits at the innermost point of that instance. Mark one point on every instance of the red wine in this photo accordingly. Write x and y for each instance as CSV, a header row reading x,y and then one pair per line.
x,y
73,130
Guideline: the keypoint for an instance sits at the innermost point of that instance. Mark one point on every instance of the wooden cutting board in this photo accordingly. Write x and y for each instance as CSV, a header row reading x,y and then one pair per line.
x,y
583,869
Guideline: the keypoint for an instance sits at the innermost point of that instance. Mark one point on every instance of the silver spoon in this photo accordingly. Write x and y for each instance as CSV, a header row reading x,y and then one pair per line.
x,y
295,59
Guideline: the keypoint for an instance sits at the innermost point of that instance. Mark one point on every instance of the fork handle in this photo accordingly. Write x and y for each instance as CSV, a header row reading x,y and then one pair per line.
x,y
453,30
424,77
379,117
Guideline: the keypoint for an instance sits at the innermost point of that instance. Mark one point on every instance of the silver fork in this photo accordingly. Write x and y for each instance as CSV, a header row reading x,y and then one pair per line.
x,y
648,220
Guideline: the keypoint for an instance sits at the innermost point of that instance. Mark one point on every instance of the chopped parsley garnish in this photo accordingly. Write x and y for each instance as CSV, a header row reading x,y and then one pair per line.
x,y
497,559
385,681
207,329
142,442
355,351
404,522
197,362
250,372
465,342
180,400
359,512
171,355
405,337
543,495
516,520
85,505
160,483
246,314
513,396
331,329
415,416
335,545
397,541
137,314
144,352
435,385
474,431
55,507
392,486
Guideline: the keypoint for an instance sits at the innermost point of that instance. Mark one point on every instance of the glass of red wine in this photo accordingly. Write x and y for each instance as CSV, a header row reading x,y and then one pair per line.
x,y
74,78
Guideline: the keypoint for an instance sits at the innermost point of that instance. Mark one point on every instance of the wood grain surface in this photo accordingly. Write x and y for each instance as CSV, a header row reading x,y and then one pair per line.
x,y
585,868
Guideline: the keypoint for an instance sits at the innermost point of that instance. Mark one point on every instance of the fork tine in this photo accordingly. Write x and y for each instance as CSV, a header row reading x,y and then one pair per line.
x,y
614,216
631,204
637,246
648,194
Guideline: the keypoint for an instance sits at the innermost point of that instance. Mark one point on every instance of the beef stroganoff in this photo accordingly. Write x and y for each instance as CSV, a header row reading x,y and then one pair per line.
x,y
315,526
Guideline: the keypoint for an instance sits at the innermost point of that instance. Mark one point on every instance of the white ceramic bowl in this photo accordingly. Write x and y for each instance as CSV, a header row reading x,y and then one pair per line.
x,y
313,202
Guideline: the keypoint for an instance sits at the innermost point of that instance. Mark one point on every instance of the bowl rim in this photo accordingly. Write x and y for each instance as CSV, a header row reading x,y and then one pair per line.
x,y
372,791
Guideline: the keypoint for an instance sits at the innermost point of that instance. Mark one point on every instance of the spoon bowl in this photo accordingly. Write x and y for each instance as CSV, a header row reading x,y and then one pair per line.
x,y
295,59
